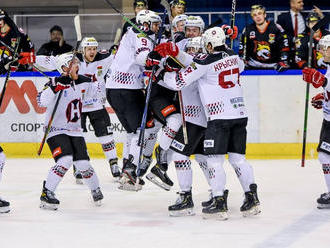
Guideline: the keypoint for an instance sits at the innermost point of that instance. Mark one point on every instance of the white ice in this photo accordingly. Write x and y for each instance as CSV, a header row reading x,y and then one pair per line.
x,y
287,193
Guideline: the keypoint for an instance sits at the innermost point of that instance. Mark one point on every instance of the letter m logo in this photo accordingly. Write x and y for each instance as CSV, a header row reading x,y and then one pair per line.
x,y
17,95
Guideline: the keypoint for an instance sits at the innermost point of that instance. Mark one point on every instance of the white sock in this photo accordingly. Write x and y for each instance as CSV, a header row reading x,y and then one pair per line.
x,y
2,163
324,159
127,145
108,146
57,172
202,161
150,139
216,174
183,171
173,124
134,149
243,169
88,174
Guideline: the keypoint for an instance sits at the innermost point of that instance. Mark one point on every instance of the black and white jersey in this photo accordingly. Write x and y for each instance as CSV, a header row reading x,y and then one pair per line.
x,y
67,119
326,104
218,77
129,61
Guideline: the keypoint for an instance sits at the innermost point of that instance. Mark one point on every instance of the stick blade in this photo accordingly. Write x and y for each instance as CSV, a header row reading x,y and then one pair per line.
x,y
77,27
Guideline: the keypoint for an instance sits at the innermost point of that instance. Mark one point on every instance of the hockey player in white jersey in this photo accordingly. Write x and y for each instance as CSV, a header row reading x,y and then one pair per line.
x,y
125,88
178,25
322,101
65,138
95,65
222,96
4,205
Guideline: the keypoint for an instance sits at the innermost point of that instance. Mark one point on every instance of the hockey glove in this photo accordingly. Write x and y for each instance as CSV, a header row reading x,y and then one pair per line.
x,y
317,101
158,75
230,32
153,58
26,58
170,65
313,77
60,83
4,64
282,66
168,48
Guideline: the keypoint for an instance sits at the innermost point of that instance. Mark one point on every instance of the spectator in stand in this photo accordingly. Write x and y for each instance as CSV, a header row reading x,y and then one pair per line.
x,y
263,43
303,41
138,5
56,45
293,23
178,7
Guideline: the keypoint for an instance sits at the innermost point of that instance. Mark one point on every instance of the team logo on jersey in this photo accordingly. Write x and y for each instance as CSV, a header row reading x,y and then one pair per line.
x,y
73,111
237,102
177,145
208,143
99,70
271,38
262,49
193,65
252,35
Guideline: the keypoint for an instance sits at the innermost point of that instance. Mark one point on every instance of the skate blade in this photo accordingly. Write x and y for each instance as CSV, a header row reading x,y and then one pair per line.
x,y
253,211
4,210
216,216
98,203
323,206
79,181
183,212
152,178
130,187
48,206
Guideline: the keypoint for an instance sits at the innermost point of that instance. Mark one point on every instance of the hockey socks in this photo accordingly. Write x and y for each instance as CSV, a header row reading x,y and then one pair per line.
x,y
173,124
57,172
217,174
324,159
183,171
2,163
108,146
202,162
243,170
88,174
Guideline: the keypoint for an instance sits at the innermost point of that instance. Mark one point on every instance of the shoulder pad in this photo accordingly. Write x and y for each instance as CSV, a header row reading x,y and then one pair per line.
x,y
205,59
83,79
102,55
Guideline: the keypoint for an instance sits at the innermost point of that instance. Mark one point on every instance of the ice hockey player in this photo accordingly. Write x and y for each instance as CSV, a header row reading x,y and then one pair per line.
x,y
65,138
178,25
263,43
95,65
125,89
10,35
222,96
321,101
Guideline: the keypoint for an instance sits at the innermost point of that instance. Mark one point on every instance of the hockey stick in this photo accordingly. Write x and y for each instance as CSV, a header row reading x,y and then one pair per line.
x,y
49,125
322,22
184,125
9,71
232,20
214,24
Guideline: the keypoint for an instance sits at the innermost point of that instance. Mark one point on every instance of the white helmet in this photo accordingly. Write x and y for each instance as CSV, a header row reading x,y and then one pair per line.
x,y
195,21
216,36
63,60
177,19
324,42
147,16
195,42
89,42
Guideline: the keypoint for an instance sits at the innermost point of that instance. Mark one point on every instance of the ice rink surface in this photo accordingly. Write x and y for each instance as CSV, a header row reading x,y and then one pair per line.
x,y
287,193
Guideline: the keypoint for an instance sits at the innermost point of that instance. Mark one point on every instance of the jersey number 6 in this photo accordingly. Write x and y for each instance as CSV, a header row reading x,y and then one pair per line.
x,y
228,84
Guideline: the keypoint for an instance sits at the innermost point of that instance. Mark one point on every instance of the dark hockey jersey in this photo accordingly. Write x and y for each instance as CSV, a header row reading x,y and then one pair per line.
x,y
302,45
264,47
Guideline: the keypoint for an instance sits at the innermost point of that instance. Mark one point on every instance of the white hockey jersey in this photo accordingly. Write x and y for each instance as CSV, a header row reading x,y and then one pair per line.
x,y
67,119
218,83
326,103
129,61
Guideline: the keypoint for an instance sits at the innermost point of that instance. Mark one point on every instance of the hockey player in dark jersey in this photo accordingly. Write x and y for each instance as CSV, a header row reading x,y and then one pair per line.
x,y
322,101
65,138
302,44
264,44
9,36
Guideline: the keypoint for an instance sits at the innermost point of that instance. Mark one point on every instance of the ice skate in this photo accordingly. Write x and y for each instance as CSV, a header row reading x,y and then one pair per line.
x,y
146,161
251,202
218,209
4,206
97,196
114,168
77,175
323,202
48,199
160,178
128,179
184,205
209,201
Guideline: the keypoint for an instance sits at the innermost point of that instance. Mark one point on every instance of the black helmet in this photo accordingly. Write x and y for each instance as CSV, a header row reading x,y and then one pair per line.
x,y
312,17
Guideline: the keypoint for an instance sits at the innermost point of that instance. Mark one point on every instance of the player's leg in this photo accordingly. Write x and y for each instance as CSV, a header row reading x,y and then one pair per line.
x,y
4,205
81,160
62,152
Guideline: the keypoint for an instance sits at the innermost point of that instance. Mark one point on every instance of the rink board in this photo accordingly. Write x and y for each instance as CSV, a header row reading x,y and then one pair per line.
x,y
275,104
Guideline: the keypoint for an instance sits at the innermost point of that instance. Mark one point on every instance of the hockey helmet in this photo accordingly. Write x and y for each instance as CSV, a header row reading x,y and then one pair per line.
x,y
324,43
215,36
195,21
179,18
63,60
312,17
147,16
89,42
196,43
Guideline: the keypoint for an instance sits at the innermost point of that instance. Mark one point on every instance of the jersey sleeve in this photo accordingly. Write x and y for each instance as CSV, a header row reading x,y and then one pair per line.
x,y
242,44
45,97
46,63
282,40
142,48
